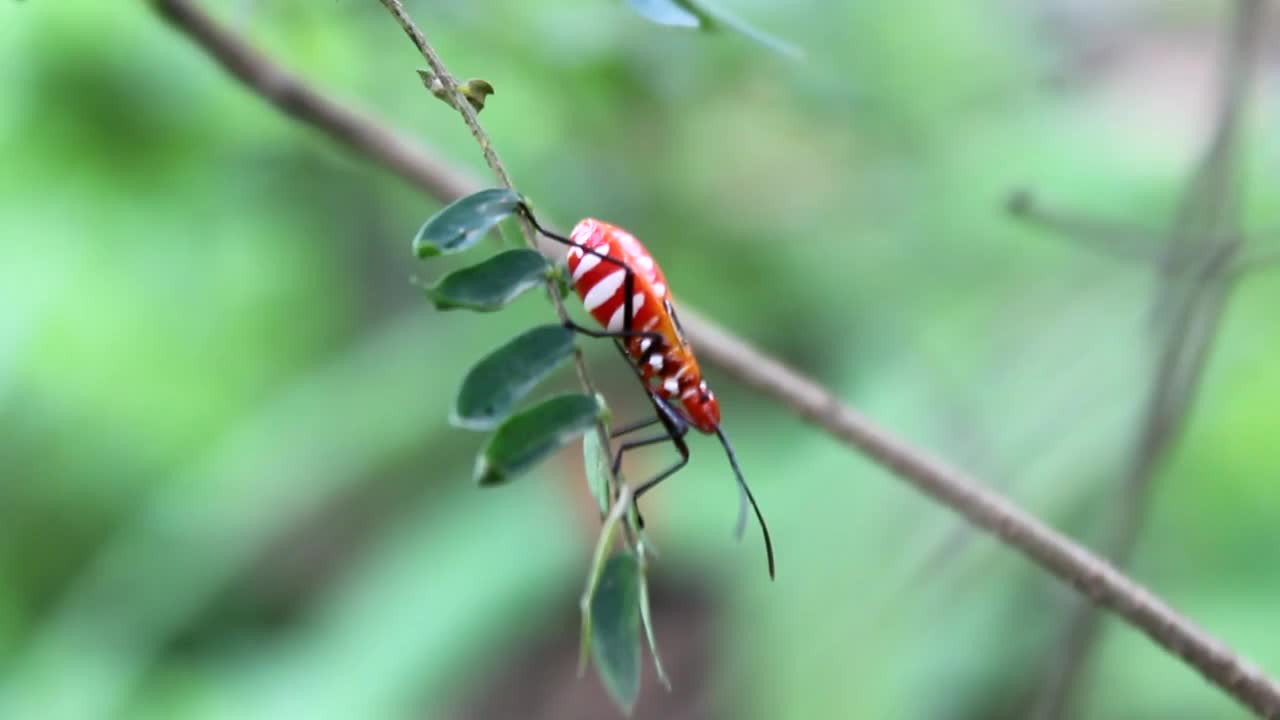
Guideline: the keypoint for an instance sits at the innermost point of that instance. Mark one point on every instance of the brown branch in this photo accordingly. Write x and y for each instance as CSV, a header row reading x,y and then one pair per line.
x,y
1043,545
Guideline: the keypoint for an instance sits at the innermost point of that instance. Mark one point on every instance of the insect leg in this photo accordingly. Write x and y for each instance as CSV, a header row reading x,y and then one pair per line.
x,y
589,332
625,429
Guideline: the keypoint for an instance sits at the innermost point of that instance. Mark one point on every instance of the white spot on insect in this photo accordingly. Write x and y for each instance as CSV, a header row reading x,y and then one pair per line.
x,y
575,252
671,386
688,393
655,362
585,265
645,343
702,386
615,322
629,242
600,293
659,289
645,262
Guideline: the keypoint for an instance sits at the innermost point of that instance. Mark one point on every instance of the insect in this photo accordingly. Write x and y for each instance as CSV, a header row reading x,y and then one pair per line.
x,y
624,289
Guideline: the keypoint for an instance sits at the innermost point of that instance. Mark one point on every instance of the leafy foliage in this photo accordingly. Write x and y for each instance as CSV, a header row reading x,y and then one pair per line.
x,y
530,436
490,285
503,378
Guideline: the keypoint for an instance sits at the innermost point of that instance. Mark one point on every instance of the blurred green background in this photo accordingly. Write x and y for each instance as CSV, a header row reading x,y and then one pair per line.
x,y
229,488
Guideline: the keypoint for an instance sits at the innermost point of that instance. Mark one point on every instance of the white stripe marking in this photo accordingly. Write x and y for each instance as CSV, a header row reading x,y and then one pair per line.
x,y
600,293
584,266
653,323
688,393
682,371
615,322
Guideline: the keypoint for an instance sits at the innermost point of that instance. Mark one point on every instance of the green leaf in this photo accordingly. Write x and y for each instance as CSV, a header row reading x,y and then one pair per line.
x,y
464,222
491,284
665,12
615,630
528,437
596,462
502,379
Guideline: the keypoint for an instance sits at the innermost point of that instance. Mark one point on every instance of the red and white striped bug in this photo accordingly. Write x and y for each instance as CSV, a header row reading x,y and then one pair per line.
x,y
624,289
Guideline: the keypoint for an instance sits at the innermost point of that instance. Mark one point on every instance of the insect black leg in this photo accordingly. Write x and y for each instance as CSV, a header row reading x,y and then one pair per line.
x,y
566,241
639,425
589,332
676,428
681,446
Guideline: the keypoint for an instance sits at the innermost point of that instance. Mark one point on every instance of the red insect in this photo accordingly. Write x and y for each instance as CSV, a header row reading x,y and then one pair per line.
x,y
625,291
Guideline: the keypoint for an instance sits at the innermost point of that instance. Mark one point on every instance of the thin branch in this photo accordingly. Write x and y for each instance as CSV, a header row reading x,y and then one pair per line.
x,y
1256,262
1043,545
1119,241
1188,307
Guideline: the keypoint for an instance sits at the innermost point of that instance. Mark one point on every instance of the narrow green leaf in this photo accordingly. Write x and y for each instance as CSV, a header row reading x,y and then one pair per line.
x,y
492,284
665,12
615,630
607,530
497,383
528,437
596,463
464,222
647,621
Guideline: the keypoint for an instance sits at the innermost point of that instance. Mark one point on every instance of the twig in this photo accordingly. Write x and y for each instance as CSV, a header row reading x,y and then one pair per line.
x,y
1257,262
1044,546
464,108
1114,240
1192,300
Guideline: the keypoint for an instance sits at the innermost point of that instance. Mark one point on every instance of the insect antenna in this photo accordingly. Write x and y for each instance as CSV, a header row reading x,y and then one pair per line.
x,y
746,498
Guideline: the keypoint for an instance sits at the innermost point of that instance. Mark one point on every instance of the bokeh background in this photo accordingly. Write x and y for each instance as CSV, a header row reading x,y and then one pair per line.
x,y
227,483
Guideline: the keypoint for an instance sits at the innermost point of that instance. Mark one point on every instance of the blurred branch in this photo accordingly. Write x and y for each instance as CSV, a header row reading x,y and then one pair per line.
x,y
1257,262
1044,546
1192,302
1115,240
